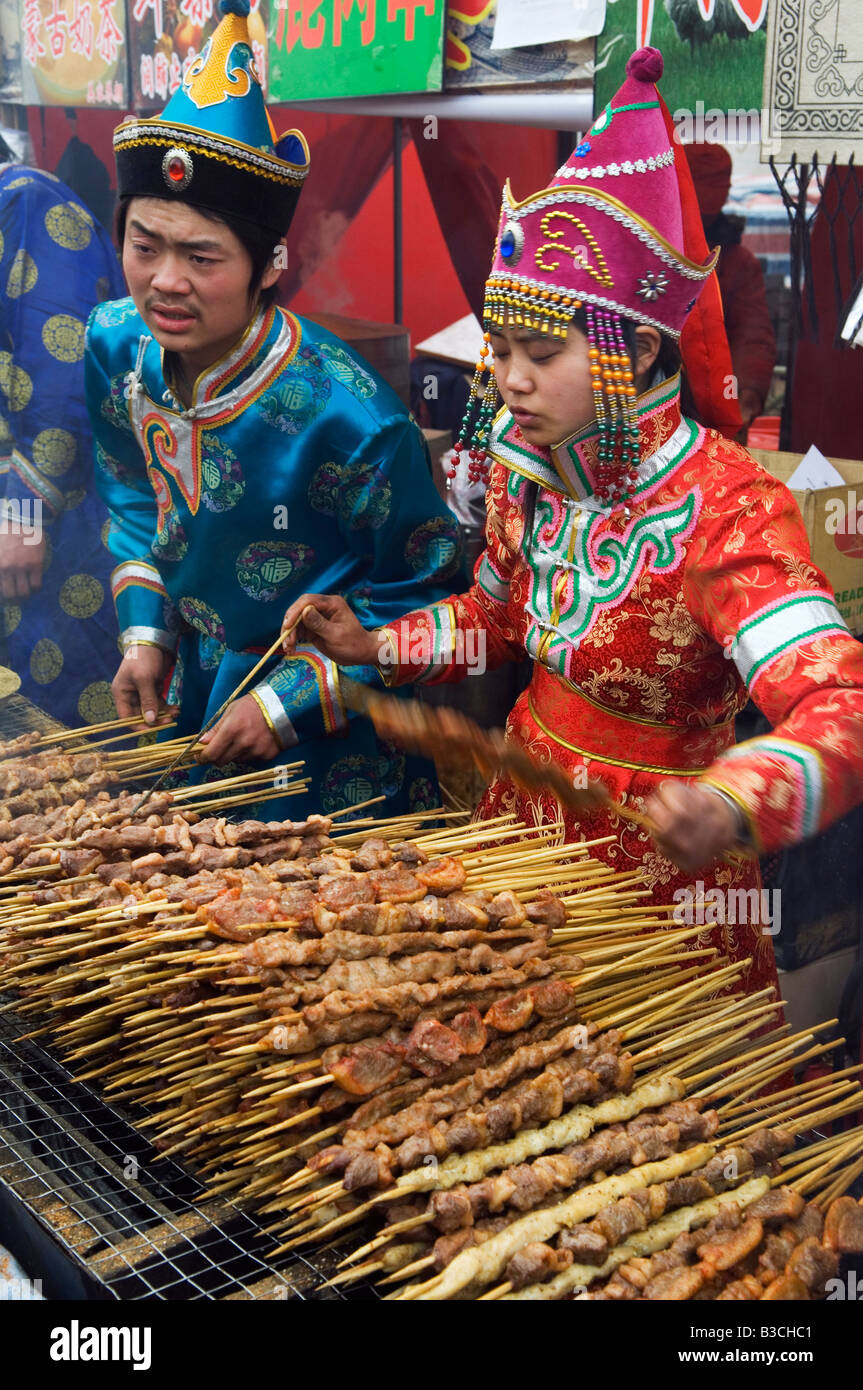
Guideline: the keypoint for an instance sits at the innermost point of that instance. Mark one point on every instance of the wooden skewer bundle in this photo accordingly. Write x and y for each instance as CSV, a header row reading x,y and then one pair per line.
x,y
140,997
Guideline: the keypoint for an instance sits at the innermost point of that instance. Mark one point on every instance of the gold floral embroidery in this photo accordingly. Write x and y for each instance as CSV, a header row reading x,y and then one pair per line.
x,y
600,685
672,622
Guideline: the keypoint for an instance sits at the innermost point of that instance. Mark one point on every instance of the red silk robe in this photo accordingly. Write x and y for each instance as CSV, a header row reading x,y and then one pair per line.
x,y
647,635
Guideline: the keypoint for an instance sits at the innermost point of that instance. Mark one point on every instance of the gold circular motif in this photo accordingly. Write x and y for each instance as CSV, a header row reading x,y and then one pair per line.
x,y
63,336
11,618
14,382
54,451
74,498
46,661
81,596
23,275
96,703
5,432
18,183
66,224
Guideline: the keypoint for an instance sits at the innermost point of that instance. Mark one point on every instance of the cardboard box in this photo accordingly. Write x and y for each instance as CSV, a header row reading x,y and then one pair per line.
x,y
834,524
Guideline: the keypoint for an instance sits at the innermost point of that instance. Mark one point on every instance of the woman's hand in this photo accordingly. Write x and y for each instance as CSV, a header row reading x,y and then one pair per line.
x,y
694,827
138,683
329,624
241,735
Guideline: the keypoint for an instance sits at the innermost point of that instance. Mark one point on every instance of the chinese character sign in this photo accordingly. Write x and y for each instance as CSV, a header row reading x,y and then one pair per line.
x,y
165,38
73,52
351,48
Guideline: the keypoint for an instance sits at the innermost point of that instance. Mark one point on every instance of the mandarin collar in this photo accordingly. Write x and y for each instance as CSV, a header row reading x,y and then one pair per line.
x,y
231,370
569,467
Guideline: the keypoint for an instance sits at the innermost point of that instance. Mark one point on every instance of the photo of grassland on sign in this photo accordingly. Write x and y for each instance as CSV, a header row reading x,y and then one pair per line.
x,y
718,61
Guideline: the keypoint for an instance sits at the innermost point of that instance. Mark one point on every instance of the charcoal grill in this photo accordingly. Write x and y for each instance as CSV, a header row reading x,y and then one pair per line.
x,y
87,1205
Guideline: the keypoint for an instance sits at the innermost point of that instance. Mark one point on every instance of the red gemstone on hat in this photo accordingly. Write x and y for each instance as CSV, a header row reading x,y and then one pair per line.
x,y
176,169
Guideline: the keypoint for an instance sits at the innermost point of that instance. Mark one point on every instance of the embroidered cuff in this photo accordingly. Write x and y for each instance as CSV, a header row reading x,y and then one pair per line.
x,y
25,480
387,662
142,636
273,711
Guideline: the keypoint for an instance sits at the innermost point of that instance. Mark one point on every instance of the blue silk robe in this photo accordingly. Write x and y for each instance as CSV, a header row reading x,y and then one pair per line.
x,y
56,262
296,468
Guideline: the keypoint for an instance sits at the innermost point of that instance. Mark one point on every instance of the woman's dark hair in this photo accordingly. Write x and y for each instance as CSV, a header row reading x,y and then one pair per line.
x,y
257,240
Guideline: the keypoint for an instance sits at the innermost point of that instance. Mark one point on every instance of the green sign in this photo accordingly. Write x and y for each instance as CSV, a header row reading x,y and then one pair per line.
x,y
354,48
713,50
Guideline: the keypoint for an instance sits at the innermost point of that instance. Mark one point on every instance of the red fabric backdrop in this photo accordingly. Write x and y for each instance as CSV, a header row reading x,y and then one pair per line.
x,y
341,242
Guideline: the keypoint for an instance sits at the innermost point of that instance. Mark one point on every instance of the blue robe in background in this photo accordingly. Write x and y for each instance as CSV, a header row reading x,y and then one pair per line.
x,y
56,263
295,469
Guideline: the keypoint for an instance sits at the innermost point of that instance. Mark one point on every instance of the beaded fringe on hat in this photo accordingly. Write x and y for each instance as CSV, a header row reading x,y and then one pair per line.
x,y
611,376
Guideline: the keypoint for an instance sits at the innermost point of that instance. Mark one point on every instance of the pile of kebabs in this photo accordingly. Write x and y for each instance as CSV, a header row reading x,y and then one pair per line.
x,y
472,1048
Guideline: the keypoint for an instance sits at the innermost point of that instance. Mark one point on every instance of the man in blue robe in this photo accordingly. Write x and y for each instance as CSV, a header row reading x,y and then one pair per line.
x,y
247,455
58,629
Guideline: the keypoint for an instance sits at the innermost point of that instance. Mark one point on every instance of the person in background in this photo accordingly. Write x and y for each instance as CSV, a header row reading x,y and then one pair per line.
x,y
741,280
59,633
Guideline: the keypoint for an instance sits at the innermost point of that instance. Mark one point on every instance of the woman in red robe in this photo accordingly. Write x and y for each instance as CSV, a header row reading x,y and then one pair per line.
x,y
653,571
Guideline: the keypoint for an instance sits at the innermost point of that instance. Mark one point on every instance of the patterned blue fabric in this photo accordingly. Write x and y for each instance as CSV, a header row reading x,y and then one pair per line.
x,y
296,469
56,263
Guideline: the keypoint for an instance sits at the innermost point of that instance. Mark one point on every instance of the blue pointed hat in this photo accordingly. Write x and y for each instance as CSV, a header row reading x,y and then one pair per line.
x,y
214,144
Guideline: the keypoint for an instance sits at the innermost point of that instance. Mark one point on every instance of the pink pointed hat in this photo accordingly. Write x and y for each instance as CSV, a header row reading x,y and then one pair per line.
x,y
609,230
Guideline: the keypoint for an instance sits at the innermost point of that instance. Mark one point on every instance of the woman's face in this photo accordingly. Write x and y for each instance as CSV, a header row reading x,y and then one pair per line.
x,y
545,382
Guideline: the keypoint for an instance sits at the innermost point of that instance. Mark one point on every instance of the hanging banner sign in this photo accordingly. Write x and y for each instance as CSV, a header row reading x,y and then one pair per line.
x,y
813,81
73,53
165,38
355,48
713,52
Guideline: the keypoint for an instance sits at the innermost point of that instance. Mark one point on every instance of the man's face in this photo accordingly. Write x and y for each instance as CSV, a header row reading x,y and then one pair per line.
x,y
189,277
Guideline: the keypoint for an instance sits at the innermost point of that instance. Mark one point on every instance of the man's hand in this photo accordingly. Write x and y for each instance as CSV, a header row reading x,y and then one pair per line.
x,y
22,560
241,735
331,625
695,827
138,683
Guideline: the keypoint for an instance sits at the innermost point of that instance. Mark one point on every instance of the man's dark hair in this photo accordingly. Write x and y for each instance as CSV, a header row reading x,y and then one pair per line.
x,y
257,240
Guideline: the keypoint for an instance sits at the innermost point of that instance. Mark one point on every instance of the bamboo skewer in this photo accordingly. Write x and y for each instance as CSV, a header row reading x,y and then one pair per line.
x,y
276,646
221,1112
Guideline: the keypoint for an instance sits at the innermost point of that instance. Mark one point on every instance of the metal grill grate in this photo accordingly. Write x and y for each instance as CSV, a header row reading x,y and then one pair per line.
x,y
133,1226
18,715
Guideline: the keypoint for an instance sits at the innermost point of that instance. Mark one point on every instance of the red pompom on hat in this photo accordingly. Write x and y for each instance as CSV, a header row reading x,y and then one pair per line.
x,y
645,65
618,228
